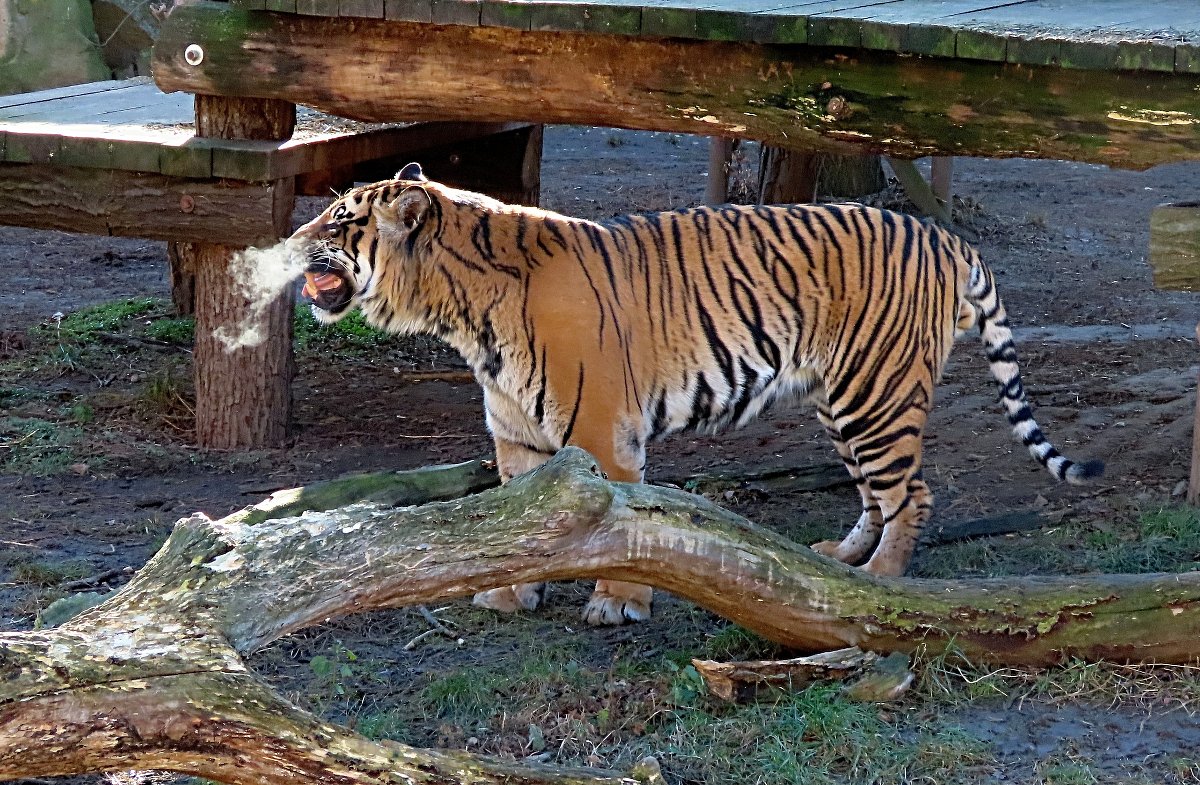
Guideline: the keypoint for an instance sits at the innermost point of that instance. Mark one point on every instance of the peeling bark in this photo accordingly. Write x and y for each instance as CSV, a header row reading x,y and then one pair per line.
x,y
154,678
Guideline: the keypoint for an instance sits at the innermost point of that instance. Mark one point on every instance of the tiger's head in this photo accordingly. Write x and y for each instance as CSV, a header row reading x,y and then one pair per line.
x,y
347,246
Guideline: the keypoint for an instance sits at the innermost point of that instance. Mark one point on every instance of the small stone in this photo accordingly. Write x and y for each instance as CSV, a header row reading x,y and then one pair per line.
x,y
1180,488
79,469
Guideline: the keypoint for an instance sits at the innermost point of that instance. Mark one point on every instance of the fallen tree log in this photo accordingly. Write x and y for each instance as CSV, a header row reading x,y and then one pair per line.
x,y
154,678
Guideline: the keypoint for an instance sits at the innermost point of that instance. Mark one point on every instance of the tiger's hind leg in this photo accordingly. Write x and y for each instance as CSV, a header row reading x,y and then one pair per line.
x,y
884,440
513,459
862,538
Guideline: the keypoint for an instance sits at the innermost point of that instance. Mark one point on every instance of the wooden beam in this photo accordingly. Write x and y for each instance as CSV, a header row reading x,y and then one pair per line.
x,y
137,204
941,178
720,149
1175,246
1193,495
797,96
919,192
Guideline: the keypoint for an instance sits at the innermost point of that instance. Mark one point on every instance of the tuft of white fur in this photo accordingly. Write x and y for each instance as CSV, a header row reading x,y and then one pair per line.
x,y
261,275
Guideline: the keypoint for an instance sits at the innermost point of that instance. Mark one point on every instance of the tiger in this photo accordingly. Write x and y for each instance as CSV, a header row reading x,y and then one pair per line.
x,y
607,335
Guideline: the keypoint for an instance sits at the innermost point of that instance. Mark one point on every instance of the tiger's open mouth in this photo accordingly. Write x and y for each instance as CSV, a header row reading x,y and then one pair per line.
x,y
327,290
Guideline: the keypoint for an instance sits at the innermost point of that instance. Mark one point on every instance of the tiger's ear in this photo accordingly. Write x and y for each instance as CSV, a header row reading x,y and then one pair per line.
x,y
412,171
408,210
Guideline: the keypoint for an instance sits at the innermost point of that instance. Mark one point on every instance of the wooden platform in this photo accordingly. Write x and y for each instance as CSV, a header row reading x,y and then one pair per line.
x,y
1104,82
1157,35
132,126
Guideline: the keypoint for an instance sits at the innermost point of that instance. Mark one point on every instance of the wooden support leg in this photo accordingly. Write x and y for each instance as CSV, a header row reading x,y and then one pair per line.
x,y
919,191
183,278
941,177
1193,496
505,166
787,176
243,397
720,150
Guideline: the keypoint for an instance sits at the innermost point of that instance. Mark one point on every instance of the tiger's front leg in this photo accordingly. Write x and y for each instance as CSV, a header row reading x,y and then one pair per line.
x,y
514,459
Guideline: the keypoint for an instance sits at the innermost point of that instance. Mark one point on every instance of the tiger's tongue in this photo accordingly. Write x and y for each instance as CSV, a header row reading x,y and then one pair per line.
x,y
315,284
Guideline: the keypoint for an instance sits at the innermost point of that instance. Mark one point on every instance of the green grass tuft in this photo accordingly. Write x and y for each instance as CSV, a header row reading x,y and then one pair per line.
x,y
177,330
37,447
83,325
1167,540
463,696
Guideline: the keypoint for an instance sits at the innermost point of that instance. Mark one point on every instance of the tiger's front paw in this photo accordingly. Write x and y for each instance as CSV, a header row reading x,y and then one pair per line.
x,y
616,602
510,599
832,549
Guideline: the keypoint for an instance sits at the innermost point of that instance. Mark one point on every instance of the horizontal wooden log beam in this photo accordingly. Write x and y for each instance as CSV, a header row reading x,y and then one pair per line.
x,y
140,204
784,95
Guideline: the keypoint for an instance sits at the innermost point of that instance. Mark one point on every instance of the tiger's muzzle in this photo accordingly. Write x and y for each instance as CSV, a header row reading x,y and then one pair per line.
x,y
326,287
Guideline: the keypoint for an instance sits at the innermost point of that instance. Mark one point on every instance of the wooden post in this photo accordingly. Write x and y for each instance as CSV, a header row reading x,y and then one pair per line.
x,y
243,397
506,166
787,176
1175,261
1193,496
719,151
941,176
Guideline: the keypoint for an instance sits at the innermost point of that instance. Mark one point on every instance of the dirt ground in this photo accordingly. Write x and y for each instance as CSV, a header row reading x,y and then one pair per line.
x,y
1110,362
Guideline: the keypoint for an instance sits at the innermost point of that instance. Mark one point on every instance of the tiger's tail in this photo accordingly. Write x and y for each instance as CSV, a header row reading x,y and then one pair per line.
x,y
1002,359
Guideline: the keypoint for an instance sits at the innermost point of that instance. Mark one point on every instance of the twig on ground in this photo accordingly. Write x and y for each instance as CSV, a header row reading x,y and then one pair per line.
x,y
438,627
98,578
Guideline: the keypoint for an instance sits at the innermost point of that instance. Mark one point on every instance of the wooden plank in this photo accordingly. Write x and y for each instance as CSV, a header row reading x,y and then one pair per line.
x,y
317,7
1175,247
24,148
408,10
1187,59
907,107
192,159
586,17
131,204
505,14
88,88
281,6
456,12
368,9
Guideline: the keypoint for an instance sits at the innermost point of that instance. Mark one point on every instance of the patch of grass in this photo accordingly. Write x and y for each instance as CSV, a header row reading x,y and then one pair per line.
x,y
37,447
350,334
177,330
463,696
81,413
812,737
1166,540
735,643
390,724
44,572
83,325
1066,772
167,398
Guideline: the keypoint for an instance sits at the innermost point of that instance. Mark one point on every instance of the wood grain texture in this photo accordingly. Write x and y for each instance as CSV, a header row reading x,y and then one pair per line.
x,y
243,394
782,95
1111,35
133,204
1175,247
